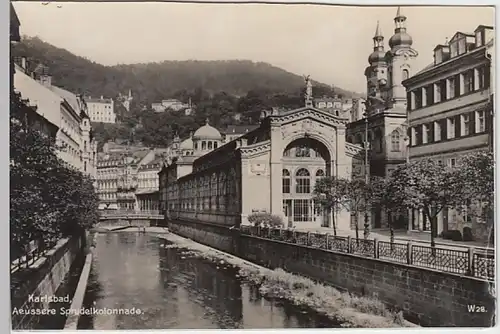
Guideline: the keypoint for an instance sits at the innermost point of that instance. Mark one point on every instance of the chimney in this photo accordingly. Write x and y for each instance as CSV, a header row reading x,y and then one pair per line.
x,y
102,97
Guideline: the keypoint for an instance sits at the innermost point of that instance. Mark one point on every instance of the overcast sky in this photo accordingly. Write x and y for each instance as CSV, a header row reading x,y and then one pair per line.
x,y
331,43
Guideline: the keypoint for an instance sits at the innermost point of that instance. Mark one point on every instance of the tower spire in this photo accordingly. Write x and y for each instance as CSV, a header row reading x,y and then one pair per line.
x,y
378,31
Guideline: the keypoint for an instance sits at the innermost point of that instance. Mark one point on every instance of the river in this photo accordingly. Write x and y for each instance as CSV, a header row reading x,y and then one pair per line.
x,y
174,289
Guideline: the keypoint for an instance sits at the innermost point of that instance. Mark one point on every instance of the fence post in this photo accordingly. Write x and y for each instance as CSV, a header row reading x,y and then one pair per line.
x,y
375,248
308,238
470,263
327,241
409,253
349,250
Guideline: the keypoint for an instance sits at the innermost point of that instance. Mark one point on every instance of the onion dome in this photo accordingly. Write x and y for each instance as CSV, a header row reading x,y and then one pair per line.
x,y
400,37
207,132
378,54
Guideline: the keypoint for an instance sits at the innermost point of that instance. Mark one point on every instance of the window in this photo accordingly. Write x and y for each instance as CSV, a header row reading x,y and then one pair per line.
x,y
406,74
425,134
480,78
437,131
215,145
451,88
479,38
465,126
450,128
416,135
286,182
453,49
302,210
468,80
439,93
320,173
203,145
395,141
418,98
209,145
452,162
461,46
480,127
303,181
438,56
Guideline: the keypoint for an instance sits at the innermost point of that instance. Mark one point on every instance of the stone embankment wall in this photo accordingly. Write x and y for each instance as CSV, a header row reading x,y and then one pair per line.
x,y
426,297
44,280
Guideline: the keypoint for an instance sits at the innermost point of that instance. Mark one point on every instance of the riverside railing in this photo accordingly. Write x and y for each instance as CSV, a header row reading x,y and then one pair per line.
x,y
473,261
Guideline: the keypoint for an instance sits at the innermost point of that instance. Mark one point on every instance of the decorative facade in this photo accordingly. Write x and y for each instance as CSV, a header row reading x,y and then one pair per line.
x,y
450,108
272,168
385,108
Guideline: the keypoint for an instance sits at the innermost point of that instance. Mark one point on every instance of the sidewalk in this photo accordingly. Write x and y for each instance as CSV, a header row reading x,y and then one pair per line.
x,y
402,236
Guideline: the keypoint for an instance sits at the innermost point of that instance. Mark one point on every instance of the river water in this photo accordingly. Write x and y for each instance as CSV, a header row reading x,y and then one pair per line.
x,y
173,289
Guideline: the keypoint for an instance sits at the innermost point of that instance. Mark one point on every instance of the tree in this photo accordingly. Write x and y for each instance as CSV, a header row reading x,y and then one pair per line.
x,y
47,199
354,195
382,198
421,185
476,178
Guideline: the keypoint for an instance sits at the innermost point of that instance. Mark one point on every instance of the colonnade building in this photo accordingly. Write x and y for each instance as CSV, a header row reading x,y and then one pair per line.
x,y
272,168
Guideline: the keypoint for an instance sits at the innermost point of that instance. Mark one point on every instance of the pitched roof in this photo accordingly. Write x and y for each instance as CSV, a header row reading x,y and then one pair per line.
x,y
71,98
48,103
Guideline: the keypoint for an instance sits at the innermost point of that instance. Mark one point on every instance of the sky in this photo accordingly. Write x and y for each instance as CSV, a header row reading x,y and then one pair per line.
x,y
330,43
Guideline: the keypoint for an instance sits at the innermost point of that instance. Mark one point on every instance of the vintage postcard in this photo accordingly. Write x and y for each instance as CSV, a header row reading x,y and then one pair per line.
x,y
251,166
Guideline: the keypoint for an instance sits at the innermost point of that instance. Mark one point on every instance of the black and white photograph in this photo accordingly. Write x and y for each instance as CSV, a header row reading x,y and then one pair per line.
x,y
196,165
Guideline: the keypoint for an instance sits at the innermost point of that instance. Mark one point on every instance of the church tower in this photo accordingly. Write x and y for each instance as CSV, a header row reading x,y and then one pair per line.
x,y
400,58
376,72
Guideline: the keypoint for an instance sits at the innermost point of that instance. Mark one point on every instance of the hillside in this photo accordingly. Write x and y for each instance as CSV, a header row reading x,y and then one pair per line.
x,y
153,81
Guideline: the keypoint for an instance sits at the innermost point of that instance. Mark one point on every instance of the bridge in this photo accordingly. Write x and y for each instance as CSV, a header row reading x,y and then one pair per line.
x,y
130,215
125,219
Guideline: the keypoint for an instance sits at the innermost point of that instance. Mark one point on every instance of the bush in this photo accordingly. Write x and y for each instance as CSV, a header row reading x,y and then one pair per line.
x,y
467,234
454,235
265,219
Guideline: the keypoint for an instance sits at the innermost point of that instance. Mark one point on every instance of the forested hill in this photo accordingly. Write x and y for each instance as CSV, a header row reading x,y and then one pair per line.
x,y
155,81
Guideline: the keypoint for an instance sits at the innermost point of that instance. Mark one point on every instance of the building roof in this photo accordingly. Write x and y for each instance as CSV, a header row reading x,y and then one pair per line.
x,y
207,132
186,144
238,129
48,103
71,98
90,99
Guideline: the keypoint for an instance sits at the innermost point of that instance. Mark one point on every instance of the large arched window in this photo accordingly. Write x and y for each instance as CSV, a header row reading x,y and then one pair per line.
x,y
395,141
406,74
302,181
286,181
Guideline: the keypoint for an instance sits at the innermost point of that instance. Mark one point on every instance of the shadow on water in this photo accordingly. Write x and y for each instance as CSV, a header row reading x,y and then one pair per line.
x,y
174,289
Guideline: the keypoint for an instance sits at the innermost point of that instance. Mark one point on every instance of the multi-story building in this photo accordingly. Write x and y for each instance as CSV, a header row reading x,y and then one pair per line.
x,y
101,110
26,112
172,104
450,112
64,110
126,176
383,122
280,161
148,185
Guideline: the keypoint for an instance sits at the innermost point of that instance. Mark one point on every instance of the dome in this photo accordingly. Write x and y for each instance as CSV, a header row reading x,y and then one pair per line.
x,y
186,144
207,132
376,56
400,38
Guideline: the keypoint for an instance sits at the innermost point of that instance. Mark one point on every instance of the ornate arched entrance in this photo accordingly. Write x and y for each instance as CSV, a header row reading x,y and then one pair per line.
x,y
304,161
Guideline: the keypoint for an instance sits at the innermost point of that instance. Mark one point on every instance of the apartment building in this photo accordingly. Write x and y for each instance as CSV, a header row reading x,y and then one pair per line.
x,y
450,111
101,110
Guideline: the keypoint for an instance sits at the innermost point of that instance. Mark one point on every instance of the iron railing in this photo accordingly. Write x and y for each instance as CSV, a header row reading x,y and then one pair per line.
x,y
473,261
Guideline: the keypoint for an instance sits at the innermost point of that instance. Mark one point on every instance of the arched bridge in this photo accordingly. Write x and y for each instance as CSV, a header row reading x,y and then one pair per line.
x,y
130,214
